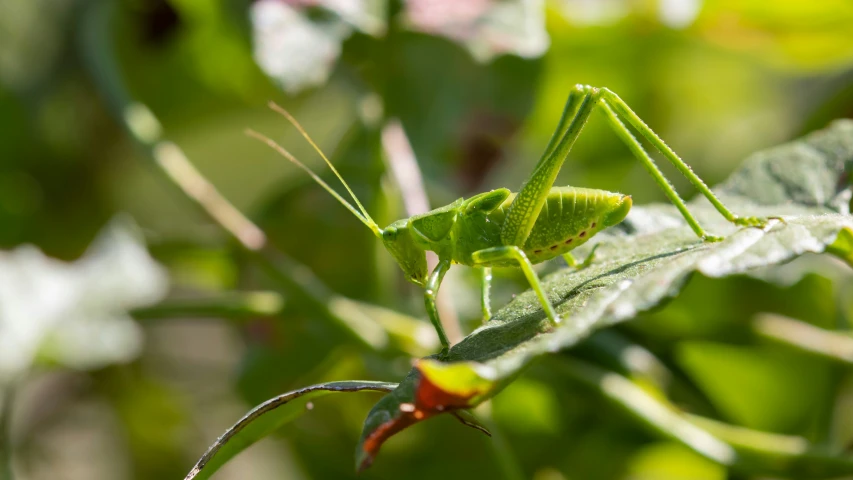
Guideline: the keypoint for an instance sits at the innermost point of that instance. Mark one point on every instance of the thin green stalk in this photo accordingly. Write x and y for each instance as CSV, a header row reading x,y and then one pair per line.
x,y
792,455
831,345
649,410
741,449
6,400
234,305
505,458
143,127
612,350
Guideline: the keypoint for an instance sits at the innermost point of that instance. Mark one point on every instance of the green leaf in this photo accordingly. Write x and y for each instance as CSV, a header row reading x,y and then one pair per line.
x,y
756,386
740,449
843,246
797,35
673,462
806,338
268,417
640,264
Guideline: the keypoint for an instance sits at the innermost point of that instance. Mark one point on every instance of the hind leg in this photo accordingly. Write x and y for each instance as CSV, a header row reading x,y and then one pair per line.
x,y
513,253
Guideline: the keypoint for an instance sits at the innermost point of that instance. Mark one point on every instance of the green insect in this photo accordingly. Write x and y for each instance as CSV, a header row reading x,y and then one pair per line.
x,y
500,228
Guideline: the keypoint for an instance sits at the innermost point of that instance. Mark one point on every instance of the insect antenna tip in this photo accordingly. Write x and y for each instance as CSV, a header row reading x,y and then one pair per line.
x,y
259,136
283,111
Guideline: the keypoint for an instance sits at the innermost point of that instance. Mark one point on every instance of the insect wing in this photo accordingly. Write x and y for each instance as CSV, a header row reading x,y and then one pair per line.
x,y
436,224
486,202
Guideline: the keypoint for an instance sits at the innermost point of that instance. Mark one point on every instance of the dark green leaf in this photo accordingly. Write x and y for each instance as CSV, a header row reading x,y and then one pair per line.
x,y
739,448
268,417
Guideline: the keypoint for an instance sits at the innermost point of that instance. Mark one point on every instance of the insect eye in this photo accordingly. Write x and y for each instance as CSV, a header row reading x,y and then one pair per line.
x,y
390,233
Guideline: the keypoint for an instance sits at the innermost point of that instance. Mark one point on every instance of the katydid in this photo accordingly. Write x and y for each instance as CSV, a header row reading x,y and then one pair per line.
x,y
500,228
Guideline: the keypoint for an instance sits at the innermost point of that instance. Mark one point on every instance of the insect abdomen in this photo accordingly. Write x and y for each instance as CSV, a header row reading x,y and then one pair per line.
x,y
569,217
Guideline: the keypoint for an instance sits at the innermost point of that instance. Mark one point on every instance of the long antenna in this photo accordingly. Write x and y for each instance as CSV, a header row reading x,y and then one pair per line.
x,y
278,148
280,110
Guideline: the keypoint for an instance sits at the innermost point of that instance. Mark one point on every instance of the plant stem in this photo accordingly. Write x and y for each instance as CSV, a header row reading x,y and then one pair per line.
x,y
403,167
143,127
649,410
6,400
738,448
234,305
807,338
504,456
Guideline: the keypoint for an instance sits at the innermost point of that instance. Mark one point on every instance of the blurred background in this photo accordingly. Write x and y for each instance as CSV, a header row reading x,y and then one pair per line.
x,y
134,329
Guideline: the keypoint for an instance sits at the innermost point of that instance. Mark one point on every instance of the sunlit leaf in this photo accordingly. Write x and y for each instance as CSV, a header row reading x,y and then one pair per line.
x,y
673,462
762,388
641,263
789,33
843,246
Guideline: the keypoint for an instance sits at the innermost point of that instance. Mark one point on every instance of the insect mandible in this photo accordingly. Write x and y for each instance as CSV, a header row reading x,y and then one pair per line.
x,y
500,228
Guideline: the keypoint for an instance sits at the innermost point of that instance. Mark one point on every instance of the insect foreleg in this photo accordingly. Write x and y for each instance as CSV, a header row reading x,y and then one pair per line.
x,y
430,294
511,252
485,292
623,111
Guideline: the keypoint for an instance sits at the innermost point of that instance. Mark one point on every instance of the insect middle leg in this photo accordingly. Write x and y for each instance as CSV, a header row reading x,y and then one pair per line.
x,y
573,262
513,253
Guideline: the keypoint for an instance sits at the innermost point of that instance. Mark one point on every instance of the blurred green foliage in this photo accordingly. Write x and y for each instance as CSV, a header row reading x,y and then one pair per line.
x,y
716,79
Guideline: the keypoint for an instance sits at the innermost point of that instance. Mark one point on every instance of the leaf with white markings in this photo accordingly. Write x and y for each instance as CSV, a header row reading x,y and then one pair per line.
x,y
640,264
